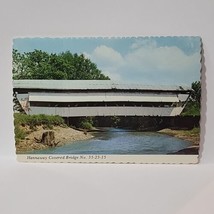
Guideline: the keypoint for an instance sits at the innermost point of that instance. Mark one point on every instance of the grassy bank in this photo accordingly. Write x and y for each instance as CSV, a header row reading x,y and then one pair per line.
x,y
192,136
37,120
29,127
25,124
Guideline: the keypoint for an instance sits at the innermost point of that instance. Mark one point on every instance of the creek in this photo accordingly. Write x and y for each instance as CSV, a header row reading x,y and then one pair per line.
x,y
120,141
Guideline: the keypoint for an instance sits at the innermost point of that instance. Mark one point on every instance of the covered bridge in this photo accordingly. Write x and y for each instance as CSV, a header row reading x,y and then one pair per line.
x,y
80,98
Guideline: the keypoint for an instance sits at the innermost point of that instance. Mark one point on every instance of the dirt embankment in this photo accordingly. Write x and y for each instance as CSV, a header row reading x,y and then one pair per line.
x,y
62,135
192,136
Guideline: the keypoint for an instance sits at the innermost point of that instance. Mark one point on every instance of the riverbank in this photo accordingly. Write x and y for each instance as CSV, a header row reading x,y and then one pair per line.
x,y
192,136
63,135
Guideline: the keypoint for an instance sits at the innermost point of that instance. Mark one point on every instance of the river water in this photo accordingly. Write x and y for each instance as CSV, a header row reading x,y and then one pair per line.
x,y
121,141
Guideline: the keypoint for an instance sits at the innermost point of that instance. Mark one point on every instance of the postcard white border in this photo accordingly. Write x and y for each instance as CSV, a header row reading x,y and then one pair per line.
x,y
117,159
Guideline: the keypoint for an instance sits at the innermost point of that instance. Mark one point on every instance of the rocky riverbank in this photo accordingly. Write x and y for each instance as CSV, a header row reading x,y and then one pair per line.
x,y
63,135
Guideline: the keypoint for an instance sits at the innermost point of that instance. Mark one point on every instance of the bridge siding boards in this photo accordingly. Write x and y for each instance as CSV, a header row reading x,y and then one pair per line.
x,y
106,111
39,93
102,97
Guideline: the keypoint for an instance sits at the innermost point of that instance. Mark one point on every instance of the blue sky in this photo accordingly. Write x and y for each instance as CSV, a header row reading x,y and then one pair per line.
x,y
147,60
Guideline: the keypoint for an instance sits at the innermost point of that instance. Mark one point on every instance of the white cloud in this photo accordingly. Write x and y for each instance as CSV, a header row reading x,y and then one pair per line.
x,y
170,59
148,64
108,60
164,65
107,56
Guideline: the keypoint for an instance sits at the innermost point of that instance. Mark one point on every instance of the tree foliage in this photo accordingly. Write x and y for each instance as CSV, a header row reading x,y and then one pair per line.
x,y
194,105
196,92
64,66
17,106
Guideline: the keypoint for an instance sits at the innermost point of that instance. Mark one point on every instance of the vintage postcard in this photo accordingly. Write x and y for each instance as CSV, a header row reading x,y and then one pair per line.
x,y
107,100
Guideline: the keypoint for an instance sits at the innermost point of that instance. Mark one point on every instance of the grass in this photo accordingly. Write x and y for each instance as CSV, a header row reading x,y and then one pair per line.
x,y
20,134
37,120
192,135
22,120
194,131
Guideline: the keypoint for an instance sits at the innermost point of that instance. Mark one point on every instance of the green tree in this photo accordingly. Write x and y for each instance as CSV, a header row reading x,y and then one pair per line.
x,y
194,104
18,65
196,93
41,65
16,104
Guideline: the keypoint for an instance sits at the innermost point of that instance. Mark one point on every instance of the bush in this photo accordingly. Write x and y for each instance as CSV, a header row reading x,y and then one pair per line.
x,y
37,120
19,134
191,109
86,123
47,121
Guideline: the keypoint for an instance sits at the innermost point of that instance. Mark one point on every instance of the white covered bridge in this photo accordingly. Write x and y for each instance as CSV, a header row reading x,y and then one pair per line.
x,y
80,98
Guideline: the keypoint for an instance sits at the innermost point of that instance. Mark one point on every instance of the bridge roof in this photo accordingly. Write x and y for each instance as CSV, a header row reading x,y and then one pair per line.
x,y
90,85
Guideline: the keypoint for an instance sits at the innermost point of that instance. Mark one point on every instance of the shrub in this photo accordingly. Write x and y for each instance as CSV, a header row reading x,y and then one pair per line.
x,y
47,121
19,134
86,123
37,120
